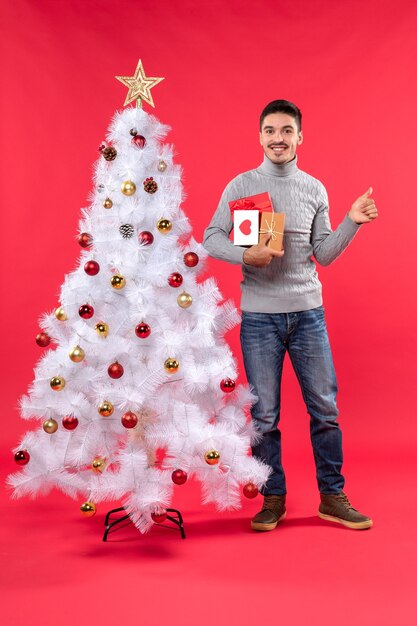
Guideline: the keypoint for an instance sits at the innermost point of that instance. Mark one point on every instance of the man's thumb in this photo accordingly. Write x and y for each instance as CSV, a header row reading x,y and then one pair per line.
x,y
368,193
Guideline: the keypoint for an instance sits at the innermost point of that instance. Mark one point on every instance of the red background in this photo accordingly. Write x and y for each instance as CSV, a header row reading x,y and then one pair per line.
x,y
351,69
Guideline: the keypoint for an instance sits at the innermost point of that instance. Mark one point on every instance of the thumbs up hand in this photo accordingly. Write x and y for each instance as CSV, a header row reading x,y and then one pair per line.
x,y
363,209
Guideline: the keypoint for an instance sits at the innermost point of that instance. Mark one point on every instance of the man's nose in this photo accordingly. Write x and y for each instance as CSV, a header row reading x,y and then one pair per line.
x,y
277,136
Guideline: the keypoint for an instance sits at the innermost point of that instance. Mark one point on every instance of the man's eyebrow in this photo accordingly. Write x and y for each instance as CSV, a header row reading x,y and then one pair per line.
x,y
284,127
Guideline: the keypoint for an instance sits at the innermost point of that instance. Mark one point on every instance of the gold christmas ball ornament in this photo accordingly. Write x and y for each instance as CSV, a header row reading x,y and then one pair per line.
x,y
98,465
57,383
117,281
105,408
60,314
212,457
107,203
164,225
50,426
77,354
88,509
128,188
171,365
101,329
184,300
162,166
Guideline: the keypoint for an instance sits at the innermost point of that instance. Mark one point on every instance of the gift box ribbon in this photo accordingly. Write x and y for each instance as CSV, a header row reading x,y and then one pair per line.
x,y
242,205
270,230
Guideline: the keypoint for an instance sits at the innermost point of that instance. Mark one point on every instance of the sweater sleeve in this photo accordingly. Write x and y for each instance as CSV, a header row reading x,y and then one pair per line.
x,y
328,244
216,236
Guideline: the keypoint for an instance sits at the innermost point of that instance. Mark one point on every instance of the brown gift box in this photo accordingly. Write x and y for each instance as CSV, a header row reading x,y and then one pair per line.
x,y
273,223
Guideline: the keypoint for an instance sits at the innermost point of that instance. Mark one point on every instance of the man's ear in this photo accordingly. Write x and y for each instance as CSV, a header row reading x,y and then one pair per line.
x,y
300,138
260,138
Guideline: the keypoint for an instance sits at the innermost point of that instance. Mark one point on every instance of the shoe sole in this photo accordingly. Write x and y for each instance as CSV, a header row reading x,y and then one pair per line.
x,y
354,525
263,527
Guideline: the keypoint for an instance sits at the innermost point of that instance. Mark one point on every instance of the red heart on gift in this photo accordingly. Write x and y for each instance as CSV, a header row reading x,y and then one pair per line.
x,y
246,227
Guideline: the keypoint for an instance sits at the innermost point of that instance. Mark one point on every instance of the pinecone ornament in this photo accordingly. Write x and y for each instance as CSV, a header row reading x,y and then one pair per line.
x,y
126,231
109,153
150,185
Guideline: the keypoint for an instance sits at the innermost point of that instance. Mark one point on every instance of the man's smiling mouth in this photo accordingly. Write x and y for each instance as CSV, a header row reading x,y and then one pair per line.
x,y
278,148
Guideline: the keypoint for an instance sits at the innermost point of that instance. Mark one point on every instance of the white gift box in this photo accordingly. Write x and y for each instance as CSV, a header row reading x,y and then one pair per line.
x,y
246,227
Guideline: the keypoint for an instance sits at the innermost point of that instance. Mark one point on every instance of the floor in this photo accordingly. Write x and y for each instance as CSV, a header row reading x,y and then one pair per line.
x,y
56,568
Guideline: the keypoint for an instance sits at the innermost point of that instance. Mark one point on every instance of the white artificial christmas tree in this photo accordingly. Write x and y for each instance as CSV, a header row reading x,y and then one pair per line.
x,y
139,392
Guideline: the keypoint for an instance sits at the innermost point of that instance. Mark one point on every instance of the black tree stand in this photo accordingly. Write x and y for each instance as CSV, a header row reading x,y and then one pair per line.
x,y
111,527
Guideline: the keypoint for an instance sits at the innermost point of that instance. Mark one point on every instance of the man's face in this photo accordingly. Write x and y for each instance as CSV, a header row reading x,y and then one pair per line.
x,y
279,137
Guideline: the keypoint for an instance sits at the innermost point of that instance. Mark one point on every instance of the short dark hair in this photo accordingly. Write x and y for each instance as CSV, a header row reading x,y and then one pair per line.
x,y
282,106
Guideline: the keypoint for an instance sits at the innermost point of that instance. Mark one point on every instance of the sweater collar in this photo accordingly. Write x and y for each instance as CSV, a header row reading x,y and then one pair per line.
x,y
274,169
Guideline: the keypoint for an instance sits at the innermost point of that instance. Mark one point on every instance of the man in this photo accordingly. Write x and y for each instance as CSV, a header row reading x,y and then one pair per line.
x,y
282,310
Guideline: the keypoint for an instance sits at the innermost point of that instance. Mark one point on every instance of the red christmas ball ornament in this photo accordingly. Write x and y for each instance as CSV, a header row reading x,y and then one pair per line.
x,y
227,385
91,268
129,419
43,340
145,238
250,490
70,422
22,457
175,279
102,146
143,330
115,370
86,311
139,141
85,240
191,259
179,477
159,517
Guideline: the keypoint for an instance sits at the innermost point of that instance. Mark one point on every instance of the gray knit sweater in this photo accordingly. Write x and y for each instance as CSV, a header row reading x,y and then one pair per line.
x,y
289,283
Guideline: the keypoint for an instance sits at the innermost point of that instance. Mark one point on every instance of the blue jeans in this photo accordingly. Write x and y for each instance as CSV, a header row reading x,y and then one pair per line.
x,y
265,338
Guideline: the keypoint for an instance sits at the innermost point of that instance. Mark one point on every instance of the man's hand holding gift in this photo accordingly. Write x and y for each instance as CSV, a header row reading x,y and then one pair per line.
x,y
261,255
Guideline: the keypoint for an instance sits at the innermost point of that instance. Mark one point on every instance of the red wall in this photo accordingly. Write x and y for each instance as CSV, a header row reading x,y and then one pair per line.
x,y
349,66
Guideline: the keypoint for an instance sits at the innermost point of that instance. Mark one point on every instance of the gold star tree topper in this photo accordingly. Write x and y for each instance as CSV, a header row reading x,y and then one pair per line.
x,y
139,86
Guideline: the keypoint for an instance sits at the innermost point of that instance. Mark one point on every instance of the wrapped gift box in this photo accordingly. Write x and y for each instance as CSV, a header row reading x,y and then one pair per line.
x,y
246,217
244,211
273,224
260,201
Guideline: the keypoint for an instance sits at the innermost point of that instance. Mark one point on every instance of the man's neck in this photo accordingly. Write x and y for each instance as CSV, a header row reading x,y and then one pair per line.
x,y
276,169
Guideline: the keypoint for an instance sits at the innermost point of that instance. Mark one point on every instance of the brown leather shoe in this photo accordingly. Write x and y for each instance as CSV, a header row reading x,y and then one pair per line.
x,y
273,511
337,508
